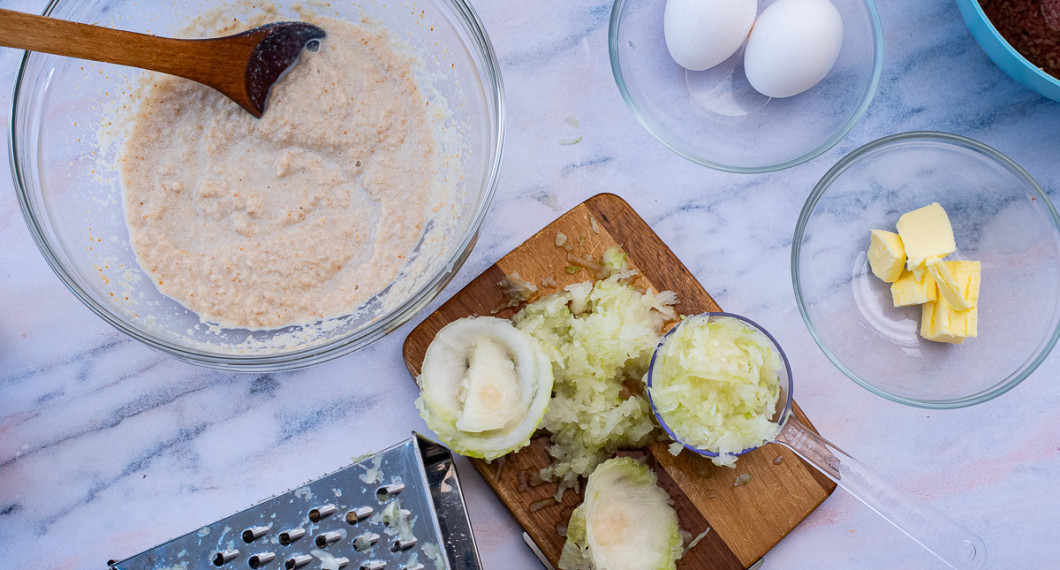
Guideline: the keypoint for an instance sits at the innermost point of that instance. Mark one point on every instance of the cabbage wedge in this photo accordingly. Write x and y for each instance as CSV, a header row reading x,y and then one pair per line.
x,y
484,387
626,522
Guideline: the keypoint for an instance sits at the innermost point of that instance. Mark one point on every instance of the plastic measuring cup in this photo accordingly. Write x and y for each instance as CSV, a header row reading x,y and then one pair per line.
x,y
942,536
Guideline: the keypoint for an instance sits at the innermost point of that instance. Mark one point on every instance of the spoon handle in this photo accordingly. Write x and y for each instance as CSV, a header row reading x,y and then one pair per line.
x,y
192,59
942,536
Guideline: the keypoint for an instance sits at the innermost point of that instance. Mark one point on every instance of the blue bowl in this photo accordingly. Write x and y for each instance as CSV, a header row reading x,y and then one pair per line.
x,y
1004,55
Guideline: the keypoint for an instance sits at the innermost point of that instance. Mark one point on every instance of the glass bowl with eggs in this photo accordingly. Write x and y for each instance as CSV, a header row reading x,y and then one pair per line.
x,y
747,85
925,267
274,243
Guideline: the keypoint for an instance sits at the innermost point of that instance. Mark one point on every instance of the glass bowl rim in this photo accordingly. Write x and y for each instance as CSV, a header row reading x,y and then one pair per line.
x,y
863,106
315,354
818,191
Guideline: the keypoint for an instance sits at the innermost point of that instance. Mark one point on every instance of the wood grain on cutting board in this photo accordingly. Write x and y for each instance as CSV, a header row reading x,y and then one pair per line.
x,y
745,521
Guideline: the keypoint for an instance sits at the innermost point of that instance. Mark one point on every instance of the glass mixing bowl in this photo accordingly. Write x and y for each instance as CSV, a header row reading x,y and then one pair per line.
x,y
73,206
716,119
1000,217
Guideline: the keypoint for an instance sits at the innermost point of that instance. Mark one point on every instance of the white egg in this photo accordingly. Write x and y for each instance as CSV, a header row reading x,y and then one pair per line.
x,y
793,45
703,33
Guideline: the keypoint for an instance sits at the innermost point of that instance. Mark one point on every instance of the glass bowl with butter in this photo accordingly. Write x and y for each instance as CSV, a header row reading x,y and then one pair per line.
x,y
925,266
274,243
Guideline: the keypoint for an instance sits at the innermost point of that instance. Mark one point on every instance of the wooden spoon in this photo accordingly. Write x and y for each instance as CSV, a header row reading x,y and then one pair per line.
x,y
243,67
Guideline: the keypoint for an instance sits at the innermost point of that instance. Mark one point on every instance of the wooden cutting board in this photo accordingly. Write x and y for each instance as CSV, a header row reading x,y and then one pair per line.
x,y
746,520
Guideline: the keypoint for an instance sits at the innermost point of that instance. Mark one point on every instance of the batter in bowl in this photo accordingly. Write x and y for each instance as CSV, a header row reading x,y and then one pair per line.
x,y
297,217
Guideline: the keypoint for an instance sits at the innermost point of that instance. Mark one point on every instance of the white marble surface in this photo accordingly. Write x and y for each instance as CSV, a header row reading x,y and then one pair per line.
x,y
108,448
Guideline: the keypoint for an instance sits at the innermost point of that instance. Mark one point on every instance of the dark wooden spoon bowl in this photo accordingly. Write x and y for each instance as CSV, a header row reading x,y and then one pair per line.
x,y
243,67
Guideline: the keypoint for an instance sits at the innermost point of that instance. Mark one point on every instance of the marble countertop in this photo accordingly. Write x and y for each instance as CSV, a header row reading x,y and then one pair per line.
x,y
108,448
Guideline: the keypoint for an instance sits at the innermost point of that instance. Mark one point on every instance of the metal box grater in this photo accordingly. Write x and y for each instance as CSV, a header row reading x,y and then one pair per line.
x,y
399,509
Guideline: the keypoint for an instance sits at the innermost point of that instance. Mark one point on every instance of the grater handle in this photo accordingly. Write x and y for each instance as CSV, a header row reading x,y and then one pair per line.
x,y
537,552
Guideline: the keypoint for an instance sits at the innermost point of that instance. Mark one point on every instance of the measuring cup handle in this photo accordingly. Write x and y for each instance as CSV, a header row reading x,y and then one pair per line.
x,y
942,536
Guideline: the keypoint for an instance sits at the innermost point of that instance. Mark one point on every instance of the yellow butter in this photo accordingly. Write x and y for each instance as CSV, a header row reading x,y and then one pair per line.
x,y
968,275
886,255
947,284
926,232
907,290
919,273
939,321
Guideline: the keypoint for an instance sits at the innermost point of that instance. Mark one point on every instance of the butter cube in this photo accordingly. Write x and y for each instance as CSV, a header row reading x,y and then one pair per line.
x,y
908,291
926,232
940,323
967,275
919,273
886,255
947,284
938,319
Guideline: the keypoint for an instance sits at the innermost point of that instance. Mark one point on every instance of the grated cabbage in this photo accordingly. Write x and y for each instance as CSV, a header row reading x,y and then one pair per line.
x,y
599,337
396,521
716,384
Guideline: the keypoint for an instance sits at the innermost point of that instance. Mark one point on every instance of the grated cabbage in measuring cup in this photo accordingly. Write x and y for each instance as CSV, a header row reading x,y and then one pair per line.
x,y
715,383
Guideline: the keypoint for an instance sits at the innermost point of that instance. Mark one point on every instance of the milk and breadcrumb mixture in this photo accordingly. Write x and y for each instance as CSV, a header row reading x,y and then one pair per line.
x,y
297,217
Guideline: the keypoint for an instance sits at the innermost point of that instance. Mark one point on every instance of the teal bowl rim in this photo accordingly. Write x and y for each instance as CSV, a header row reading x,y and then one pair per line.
x,y
800,230
659,134
982,29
